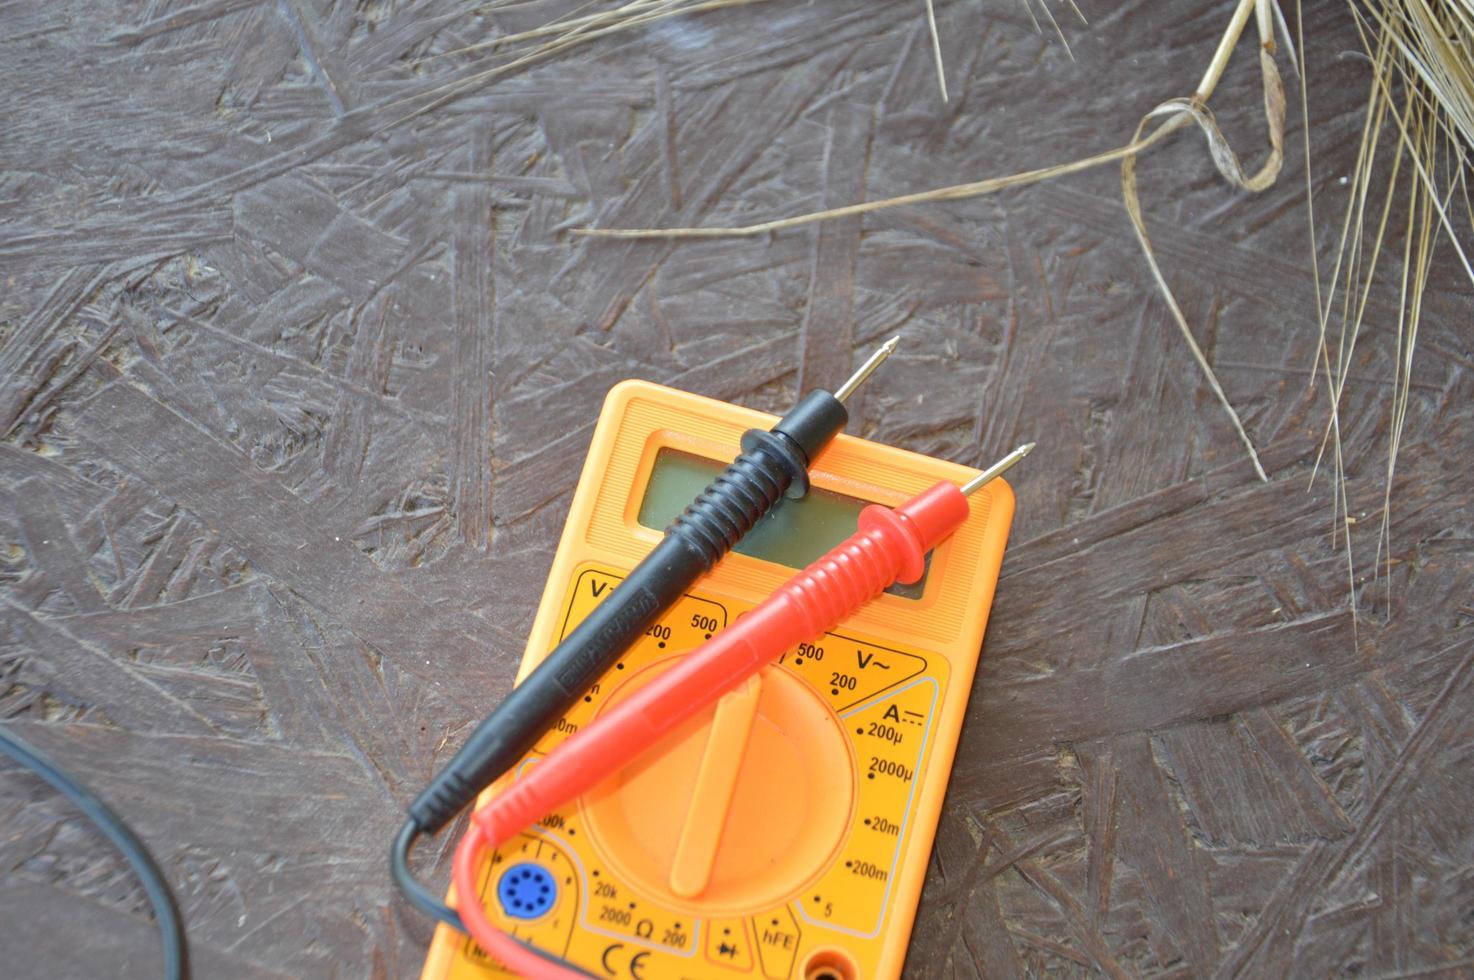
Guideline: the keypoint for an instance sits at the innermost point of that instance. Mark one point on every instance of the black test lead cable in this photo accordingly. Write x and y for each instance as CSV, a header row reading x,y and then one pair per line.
x,y
774,463
166,912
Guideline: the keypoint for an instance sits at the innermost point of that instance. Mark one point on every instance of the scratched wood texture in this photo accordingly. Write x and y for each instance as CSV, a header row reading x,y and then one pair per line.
x,y
295,387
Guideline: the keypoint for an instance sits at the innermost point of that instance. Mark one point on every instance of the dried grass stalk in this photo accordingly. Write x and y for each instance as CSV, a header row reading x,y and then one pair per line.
x,y
936,47
954,192
1176,113
1421,95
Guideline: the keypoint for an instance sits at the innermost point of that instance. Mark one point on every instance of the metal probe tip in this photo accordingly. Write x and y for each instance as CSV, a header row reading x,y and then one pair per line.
x,y
871,363
997,469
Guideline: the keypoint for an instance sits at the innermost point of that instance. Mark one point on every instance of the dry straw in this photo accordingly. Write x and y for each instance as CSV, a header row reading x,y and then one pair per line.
x,y
1415,149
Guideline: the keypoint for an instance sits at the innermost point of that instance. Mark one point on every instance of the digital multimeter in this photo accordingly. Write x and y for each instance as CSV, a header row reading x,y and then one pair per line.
x,y
785,831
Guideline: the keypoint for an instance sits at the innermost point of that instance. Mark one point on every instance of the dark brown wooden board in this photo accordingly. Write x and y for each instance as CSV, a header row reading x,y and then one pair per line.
x,y
295,389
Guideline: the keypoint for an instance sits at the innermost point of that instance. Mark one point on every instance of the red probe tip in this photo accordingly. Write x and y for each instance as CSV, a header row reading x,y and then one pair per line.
x,y
997,469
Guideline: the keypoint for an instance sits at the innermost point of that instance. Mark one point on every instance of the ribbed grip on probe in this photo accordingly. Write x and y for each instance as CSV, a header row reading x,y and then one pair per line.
x,y
773,464
857,570
890,546
737,499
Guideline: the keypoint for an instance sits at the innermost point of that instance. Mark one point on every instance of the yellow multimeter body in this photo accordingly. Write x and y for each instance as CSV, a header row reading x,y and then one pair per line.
x,y
785,832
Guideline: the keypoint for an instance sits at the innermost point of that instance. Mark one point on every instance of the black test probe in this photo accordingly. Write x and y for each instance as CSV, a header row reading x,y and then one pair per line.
x,y
773,464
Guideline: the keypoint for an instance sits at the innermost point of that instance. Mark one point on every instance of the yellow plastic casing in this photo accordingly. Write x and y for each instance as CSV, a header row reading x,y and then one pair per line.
x,y
817,877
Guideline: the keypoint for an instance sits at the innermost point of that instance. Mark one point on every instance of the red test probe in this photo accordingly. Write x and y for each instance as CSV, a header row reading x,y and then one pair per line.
x,y
890,546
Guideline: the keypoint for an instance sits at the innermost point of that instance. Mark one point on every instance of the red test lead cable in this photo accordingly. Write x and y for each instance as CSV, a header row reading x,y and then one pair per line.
x,y
890,546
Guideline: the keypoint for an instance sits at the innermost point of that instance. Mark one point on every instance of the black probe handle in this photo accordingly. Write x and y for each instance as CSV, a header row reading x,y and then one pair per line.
x,y
772,464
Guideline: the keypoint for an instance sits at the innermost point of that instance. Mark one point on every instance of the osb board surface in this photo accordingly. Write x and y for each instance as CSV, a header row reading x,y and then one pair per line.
x,y
295,390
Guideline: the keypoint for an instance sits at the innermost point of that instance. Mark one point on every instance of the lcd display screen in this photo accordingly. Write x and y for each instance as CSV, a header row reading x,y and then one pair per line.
x,y
794,532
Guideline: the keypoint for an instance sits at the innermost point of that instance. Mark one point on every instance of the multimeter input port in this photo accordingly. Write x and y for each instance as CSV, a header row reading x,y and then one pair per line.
x,y
526,890
830,964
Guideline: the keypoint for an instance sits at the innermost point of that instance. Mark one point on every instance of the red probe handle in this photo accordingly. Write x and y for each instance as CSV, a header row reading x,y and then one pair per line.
x,y
890,546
